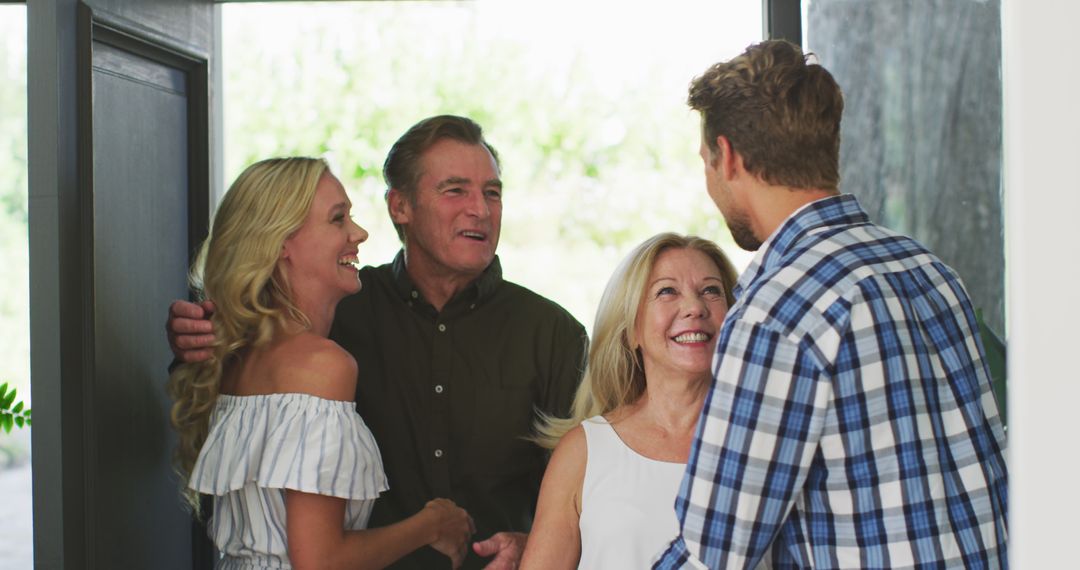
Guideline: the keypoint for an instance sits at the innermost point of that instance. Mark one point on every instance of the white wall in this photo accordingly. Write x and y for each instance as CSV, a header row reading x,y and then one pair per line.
x,y
1042,197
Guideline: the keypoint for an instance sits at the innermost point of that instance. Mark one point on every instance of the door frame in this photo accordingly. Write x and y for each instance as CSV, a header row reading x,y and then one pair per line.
x,y
61,38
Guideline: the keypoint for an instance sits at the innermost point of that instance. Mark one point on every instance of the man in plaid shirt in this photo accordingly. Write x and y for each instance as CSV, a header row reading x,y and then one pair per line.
x,y
851,423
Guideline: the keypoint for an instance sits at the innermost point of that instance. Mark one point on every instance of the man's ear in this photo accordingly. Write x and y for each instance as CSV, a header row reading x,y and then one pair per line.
x,y
397,203
728,162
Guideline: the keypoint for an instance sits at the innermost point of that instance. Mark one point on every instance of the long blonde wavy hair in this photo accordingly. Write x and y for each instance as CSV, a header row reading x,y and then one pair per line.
x,y
614,375
237,268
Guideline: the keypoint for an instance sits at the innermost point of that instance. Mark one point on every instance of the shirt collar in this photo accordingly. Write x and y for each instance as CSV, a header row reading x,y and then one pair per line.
x,y
842,209
478,291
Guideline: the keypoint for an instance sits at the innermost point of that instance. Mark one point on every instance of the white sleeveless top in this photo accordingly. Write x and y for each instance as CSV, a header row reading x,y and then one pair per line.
x,y
627,502
259,446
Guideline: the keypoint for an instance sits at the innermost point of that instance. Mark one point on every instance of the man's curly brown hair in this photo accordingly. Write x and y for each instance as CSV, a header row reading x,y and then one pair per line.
x,y
780,112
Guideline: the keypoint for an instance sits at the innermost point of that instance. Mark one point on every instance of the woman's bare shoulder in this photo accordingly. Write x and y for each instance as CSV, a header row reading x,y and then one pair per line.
x,y
310,364
570,455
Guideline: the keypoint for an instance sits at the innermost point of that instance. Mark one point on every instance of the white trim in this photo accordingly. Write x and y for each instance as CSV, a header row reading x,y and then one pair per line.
x,y
1042,205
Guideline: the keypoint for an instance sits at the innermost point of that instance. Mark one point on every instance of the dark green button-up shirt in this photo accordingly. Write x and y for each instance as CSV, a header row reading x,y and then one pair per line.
x,y
450,395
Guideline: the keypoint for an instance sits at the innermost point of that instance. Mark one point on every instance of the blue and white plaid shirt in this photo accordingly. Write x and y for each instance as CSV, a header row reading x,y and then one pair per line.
x,y
852,422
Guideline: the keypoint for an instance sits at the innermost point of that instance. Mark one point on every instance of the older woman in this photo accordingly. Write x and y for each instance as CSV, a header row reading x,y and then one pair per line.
x,y
267,425
607,497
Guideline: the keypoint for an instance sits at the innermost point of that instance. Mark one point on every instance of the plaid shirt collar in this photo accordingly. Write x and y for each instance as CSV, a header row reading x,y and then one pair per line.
x,y
839,210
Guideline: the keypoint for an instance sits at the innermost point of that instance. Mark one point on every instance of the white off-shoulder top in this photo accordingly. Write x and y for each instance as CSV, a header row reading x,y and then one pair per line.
x,y
259,446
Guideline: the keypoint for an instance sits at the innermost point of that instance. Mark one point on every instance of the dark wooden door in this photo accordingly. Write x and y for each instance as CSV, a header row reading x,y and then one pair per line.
x,y
122,178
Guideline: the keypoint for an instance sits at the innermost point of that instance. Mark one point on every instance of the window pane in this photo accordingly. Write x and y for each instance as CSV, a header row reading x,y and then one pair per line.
x,y
585,104
16,540
921,136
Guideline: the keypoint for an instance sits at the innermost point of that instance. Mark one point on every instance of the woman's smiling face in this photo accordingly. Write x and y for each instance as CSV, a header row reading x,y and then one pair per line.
x,y
680,314
321,257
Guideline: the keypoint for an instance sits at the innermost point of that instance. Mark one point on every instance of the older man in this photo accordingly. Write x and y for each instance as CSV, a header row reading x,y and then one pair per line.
x,y
454,361
851,423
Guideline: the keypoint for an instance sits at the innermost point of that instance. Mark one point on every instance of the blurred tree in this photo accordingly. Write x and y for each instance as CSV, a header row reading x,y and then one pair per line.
x,y
14,252
13,197
598,153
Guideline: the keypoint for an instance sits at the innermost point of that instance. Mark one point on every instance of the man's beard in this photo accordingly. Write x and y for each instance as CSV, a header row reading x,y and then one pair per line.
x,y
739,226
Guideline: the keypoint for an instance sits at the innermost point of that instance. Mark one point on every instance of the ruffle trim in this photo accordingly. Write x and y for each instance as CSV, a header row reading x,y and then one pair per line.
x,y
289,441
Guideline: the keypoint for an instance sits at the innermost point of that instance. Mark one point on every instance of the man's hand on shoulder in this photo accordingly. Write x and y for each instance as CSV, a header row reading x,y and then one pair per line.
x,y
190,331
506,547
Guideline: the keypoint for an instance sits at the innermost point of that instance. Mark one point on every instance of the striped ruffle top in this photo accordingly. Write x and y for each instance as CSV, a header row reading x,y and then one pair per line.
x,y
258,446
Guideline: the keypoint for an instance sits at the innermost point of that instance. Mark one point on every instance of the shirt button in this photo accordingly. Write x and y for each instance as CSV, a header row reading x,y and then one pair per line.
x,y
438,453
472,306
415,294
438,388
442,327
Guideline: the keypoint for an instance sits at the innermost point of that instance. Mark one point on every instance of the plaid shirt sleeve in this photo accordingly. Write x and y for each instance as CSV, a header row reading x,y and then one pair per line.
x,y
755,442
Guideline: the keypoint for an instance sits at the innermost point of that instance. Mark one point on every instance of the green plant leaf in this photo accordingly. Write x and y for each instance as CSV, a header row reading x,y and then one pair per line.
x,y
18,408
28,421
9,399
7,423
3,390
19,421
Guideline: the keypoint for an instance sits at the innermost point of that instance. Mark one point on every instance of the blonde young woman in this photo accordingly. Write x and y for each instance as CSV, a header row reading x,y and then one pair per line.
x,y
607,498
267,425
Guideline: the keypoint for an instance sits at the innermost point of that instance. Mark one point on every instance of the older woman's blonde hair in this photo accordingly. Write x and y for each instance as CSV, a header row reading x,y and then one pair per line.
x,y
237,268
614,375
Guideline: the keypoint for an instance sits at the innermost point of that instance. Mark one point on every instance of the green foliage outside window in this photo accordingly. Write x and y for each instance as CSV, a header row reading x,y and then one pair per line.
x,y
13,413
598,148
14,249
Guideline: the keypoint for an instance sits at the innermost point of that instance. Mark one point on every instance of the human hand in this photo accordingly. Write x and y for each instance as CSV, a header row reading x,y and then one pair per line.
x,y
453,528
506,547
190,331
